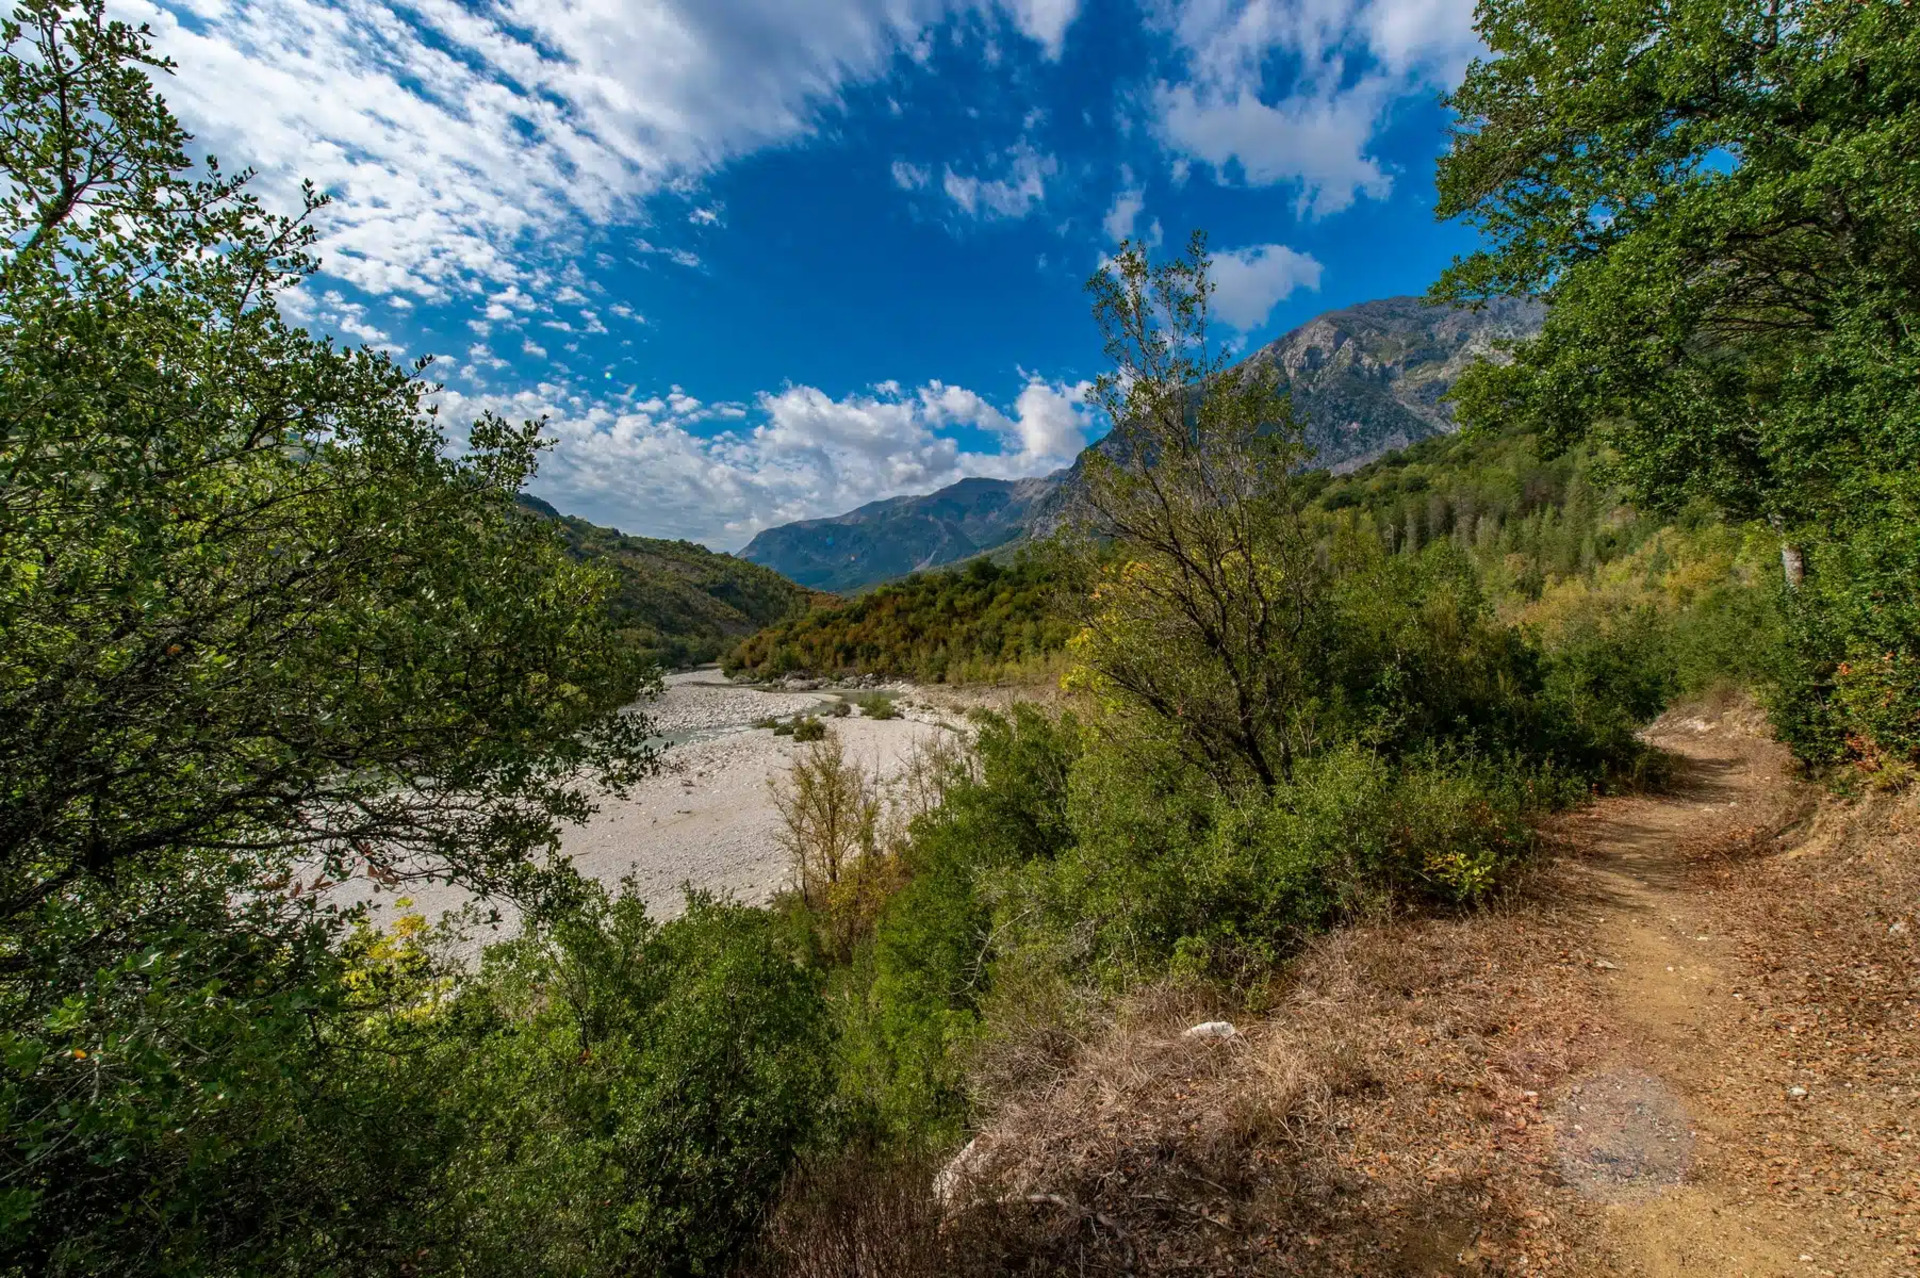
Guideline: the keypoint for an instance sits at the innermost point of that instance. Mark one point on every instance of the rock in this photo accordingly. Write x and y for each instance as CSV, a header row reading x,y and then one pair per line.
x,y
1796,1092
1212,1029
953,1180
1897,928
1605,966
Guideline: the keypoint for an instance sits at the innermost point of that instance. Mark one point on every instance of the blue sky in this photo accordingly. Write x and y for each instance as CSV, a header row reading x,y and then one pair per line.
x,y
761,260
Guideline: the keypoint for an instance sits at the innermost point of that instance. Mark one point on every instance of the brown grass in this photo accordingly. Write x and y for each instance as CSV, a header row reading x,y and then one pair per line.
x,y
1827,920
1382,1118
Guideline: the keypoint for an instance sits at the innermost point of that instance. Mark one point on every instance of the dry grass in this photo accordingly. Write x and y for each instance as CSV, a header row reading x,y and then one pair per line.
x,y
1381,1118
1827,918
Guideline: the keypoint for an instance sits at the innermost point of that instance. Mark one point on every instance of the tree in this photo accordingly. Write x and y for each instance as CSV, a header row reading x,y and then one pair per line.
x,y
1718,198
261,632
1204,621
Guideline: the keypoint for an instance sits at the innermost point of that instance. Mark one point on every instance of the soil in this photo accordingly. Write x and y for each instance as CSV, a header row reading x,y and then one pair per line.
x,y
1698,1111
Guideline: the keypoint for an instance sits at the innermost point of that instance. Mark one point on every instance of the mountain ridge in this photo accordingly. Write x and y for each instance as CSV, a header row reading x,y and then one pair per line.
x,y
1365,380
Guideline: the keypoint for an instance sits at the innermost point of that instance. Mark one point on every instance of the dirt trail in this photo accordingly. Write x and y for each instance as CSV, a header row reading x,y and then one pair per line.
x,y
1673,1132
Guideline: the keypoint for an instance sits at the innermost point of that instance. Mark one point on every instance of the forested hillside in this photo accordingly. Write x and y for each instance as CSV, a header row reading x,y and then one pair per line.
x,y
978,623
1539,530
679,603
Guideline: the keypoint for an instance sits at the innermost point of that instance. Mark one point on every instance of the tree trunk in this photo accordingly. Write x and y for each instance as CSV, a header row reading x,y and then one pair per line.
x,y
1793,563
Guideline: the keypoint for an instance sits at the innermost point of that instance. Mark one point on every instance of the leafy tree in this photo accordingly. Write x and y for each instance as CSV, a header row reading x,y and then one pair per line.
x,y
1718,197
262,632
1207,620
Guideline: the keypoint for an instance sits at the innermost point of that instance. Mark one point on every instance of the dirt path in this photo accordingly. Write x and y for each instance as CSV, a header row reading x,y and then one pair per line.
x,y
1677,1132
1629,1129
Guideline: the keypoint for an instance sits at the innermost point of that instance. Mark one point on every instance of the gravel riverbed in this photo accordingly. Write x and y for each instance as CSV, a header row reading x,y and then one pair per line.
x,y
707,821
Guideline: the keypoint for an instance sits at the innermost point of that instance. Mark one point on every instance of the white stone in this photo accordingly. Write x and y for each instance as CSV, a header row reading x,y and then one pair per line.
x,y
1212,1029
950,1181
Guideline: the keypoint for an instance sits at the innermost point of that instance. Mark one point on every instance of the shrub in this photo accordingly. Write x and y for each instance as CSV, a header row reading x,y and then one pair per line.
x,y
809,728
633,1093
877,705
840,709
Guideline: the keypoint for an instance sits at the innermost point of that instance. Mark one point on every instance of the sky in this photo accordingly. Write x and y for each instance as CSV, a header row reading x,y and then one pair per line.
x,y
766,260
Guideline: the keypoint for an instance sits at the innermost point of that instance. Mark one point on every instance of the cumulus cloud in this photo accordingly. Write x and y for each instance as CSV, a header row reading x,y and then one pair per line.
x,y
1045,21
1352,60
1020,187
461,141
1250,282
1126,210
646,465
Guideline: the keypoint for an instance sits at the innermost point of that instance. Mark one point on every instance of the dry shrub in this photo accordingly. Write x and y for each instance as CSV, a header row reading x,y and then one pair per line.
x,y
858,1215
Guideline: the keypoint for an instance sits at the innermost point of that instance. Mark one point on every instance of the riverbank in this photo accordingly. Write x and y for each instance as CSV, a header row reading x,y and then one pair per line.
x,y
706,821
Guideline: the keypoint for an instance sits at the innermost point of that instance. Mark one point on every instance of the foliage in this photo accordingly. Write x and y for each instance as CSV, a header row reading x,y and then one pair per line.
x,y
877,705
262,631
910,1002
678,603
632,1093
982,622
1209,616
807,728
1718,200
830,814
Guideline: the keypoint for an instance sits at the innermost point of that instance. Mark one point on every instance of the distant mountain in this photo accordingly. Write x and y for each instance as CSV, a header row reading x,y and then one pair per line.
x,y
1365,380
889,539
679,601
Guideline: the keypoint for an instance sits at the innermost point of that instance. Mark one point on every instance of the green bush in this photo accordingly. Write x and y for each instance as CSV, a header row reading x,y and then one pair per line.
x,y
632,1094
809,729
877,705
911,1001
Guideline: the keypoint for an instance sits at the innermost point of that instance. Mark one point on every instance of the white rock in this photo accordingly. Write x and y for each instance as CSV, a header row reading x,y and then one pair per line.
x,y
1796,1092
1606,966
1212,1029
951,1181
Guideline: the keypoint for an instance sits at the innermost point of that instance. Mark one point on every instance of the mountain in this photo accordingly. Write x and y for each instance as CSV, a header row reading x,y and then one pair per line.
x,y
679,601
1365,380
888,539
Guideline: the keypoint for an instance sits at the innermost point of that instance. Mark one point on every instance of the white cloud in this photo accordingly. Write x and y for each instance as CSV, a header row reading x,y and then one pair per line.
x,y
1045,21
1020,189
910,177
463,141
1250,282
680,256
639,464
533,348
1127,206
329,313
1354,59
